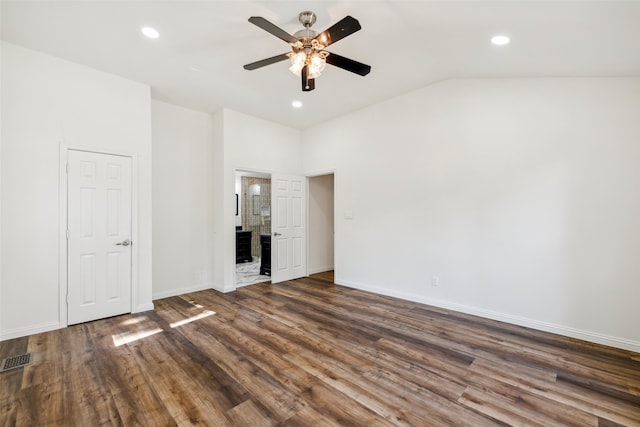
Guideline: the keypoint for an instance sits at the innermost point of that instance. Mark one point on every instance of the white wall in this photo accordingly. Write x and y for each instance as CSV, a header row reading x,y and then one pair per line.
x,y
195,157
183,208
47,102
320,226
248,144
520,195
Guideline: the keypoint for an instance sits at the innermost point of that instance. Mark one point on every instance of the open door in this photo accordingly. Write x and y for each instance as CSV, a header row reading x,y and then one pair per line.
x,y
288,228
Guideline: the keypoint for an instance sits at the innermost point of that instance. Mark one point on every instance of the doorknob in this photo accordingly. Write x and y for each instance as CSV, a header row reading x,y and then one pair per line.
x,y
277,234
124,243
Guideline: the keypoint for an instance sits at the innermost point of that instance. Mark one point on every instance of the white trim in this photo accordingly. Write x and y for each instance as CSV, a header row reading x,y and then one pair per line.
x,y
335,220
0,223
62,237
63,259
567,331
307,228
220,287
181,291
321,173
135,237
247,171
31,330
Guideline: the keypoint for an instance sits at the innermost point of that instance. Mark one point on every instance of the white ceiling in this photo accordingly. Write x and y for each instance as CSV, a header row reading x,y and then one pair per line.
x,y
197,61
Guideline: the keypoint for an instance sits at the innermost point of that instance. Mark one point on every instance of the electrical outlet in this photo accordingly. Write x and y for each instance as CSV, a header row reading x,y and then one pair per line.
x,y
435,281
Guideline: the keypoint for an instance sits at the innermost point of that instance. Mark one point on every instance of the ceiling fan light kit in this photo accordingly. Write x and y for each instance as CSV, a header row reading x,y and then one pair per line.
x,y
308,56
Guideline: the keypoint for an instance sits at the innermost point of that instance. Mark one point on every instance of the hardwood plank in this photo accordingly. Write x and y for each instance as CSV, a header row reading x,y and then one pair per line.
x,y
308,416
310,352
136,401
42,404
515,406
351,382
250,413
266,389
609,385
174,386
566,394
44,369
9,411
330,402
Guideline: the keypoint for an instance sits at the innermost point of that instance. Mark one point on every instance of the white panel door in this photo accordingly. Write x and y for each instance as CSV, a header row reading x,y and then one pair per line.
x,y
288,228
99,236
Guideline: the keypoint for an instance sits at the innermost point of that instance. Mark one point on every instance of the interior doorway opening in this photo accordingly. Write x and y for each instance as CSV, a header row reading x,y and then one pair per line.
x,y
253,227
321,223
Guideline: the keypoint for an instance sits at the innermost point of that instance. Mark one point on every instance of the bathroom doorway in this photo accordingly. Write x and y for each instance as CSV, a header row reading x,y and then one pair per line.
x,y
253,227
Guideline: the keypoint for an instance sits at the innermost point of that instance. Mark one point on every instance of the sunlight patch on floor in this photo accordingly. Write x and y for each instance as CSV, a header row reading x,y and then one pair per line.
x,y
195,304
134,320
128,337
202,315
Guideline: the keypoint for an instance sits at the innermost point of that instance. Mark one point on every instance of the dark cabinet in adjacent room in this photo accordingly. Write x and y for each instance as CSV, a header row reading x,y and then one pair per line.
x,y
265,254
243,246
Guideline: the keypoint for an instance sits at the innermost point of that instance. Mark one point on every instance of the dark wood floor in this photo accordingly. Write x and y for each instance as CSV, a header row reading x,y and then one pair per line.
x,y
310,353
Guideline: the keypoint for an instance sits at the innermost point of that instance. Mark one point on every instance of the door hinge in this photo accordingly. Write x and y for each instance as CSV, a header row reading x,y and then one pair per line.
x,y
67,234
67,167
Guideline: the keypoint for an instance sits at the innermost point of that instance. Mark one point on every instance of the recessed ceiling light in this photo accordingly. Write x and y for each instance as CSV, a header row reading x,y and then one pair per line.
x,y
500,40
152,33
296,104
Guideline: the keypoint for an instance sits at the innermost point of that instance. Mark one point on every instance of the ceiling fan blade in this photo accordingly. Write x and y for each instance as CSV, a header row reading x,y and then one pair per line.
x,y
348,64
307,84
265,62
341,29
272,28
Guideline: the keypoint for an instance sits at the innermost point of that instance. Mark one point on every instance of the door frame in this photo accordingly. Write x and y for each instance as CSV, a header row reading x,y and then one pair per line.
x,y
63,200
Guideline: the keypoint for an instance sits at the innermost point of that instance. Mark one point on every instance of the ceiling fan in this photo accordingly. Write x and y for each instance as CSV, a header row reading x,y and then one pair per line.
x,y
308,55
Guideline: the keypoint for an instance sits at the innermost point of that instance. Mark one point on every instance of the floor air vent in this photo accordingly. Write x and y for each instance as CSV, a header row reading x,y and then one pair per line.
x,y
16,361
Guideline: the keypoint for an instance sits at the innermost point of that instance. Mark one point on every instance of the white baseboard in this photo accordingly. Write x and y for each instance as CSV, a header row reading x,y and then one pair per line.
x,y
180,291
31,330
567,331
317,270
221,288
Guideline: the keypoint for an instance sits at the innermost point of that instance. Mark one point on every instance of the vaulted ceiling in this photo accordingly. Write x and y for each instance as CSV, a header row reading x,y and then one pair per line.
x,y
197,60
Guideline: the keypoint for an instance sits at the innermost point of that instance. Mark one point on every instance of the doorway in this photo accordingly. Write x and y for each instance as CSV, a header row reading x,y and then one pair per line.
x,y
253,227
321,223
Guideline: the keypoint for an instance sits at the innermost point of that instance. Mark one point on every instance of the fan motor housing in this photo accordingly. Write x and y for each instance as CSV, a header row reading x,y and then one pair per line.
x,y
307,18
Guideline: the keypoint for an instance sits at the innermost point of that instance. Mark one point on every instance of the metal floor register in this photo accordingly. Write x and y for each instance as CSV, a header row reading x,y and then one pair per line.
x,y
18,361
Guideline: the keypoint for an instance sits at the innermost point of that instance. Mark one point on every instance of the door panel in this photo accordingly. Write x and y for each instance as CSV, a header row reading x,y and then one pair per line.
x,y
288,227
88,278
98,222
